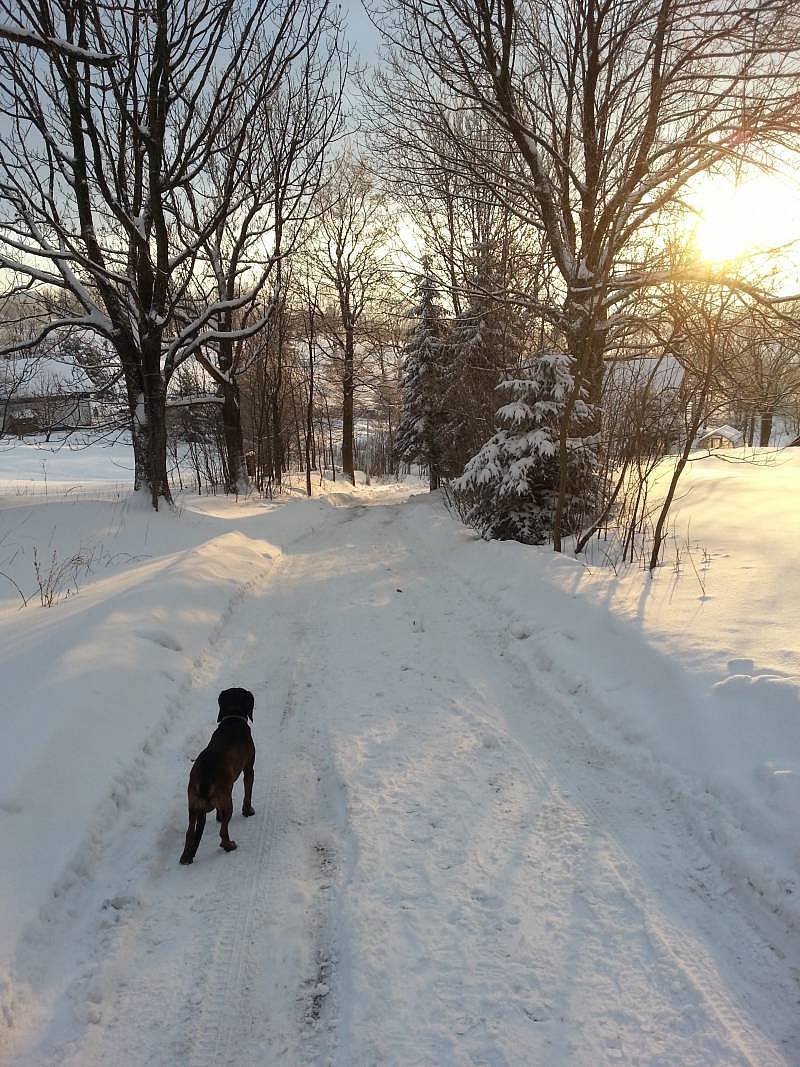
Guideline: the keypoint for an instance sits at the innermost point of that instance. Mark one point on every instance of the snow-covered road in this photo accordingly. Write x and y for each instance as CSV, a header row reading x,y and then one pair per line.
x,y
445,867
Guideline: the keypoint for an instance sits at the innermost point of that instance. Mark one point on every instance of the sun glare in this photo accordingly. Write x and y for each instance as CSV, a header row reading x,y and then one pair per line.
x,y
739,221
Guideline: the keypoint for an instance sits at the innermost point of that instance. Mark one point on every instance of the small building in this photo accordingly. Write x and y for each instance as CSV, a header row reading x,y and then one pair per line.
x,y
724,436
196,416
644,394
42,394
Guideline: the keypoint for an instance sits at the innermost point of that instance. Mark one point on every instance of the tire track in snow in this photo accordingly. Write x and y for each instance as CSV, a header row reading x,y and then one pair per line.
x,y
241,1015
217,1035
320,998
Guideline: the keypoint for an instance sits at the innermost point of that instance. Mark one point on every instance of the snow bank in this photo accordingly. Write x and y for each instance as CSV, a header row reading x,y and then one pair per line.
x,y
91,683
694,673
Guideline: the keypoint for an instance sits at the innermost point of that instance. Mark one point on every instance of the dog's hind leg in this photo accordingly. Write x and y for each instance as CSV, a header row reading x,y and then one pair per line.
x,y
197,822
247,806
227,811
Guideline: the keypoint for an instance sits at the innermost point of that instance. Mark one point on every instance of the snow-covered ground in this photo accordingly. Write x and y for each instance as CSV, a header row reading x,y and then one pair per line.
x,y
70,464
509,811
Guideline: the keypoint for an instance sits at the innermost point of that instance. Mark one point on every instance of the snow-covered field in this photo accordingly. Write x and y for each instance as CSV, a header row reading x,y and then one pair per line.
x,y
509,811
69,464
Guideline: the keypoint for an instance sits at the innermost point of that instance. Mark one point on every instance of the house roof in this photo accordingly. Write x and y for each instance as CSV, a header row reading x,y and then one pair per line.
x,y
195,400
729,433
29,377
658,374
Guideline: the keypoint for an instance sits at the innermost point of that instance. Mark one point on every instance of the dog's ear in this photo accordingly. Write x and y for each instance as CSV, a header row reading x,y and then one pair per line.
x,y
249,703
228,701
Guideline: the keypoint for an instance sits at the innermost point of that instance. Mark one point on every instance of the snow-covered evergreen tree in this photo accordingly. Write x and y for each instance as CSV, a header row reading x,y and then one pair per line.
x,y
425,359
509,489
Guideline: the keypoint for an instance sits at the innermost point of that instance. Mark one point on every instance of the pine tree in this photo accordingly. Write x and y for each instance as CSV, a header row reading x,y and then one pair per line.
x,y
425,358
509,489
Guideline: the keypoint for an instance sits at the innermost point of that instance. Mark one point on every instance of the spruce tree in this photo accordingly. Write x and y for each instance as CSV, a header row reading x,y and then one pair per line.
x,y
509,489
425,358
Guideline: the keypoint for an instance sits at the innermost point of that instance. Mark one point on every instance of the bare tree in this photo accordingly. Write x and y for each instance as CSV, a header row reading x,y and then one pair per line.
x,y
707,321
310,316
613,109
609,110
456,175
353,264
104,174
282,153
762,373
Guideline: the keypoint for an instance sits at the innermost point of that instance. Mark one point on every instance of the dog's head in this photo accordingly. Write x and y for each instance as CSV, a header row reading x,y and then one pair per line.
x,y
236,702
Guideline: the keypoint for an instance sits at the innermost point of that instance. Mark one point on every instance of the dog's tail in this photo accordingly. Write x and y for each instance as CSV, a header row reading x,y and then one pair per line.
x,y
194,835
199,826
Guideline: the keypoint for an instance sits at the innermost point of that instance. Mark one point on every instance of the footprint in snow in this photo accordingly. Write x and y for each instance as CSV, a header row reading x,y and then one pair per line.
x,y
162,638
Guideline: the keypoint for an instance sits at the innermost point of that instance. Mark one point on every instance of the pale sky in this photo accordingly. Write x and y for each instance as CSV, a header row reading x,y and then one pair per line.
x,y
361,35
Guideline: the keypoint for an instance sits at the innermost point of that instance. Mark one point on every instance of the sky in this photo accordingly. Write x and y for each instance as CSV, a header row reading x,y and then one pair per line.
x,y
361,36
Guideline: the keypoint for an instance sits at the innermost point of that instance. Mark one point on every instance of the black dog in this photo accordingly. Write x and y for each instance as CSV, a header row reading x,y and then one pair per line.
x,y
230,751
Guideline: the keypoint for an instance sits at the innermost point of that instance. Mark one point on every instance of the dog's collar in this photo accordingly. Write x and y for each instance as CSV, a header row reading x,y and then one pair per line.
x,y
241,718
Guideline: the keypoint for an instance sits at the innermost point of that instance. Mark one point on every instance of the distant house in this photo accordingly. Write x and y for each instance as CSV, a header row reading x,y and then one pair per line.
x,y
194,416
724,436
645,391
660,376
41,394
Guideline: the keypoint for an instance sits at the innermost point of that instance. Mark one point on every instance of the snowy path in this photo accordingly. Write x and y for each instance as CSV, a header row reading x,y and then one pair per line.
x,y
444,867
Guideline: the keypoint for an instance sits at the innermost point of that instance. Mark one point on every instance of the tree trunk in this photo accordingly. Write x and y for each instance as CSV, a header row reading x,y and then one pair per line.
x,y
691,432
585,335
277,396
310,410
237,479
149,435
277,439
348,388
147,409
765,429
157,418
234,466
330,439
586,340
558,518
309,436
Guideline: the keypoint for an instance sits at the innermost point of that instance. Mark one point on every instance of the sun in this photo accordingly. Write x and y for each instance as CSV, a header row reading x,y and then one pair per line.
x,y
738,221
